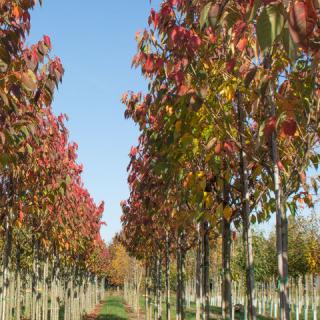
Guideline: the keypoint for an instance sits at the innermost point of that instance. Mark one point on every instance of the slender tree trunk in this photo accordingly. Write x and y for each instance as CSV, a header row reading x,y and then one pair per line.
x,y
45,290
146,292
178,298
281,225
155,290
149,291
226,282
5,266
181,294
198,274
247,232
159,289
10,304
226,260
183,284
205,273
18,287
168,315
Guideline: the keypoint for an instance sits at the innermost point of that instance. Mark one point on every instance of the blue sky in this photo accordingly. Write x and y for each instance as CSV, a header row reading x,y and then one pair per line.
x,y
95,41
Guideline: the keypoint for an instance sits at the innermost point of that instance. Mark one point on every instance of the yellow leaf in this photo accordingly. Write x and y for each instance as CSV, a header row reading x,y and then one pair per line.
x,y
219,210
227,213
200,174
178,126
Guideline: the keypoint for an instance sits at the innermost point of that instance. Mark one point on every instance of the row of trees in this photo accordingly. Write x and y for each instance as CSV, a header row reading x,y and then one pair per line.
x,y
229,136
53,256
303,255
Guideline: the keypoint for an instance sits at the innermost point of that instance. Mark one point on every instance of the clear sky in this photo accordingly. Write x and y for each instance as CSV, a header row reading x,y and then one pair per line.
x,y
95,41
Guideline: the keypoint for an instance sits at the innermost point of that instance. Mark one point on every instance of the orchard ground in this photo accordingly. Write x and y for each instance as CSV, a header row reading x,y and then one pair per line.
x,y
115,308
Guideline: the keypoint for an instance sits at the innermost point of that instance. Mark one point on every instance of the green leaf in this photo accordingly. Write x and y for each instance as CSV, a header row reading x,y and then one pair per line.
x,y
4,159
251,15
24,129
62,189
213,15
4,97
229,18
68,180
4,55
293,208
269,25
29,148
204,14
289,45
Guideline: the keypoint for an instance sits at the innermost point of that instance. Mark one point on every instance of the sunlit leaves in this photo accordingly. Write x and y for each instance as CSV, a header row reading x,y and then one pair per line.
x,y
269,25
302,20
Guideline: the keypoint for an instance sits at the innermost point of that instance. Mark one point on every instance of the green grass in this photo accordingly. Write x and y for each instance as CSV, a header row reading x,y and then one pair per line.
x,y
191,312
113,309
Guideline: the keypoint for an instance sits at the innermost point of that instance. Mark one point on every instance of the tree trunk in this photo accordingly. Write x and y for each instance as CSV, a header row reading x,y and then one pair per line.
x,y
281,225
159,289
247,233
181,278
146,292
198,274
179,282
5,266
18,287
226,282
167,277
205,273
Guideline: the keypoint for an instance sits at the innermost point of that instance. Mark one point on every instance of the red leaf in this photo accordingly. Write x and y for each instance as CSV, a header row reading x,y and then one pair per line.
x,y
289,127
154,18
149,65
302,20
230,65
270,126
230,147
47,41
21,216
182,90
242,44
133,152
280,165
218,148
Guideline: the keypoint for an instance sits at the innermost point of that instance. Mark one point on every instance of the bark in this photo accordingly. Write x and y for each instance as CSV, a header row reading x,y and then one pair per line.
x,y
198,274
159,289
226,260
18,287
226,282
179,289
205,273
281,226
180,278
149,298
247,232
168,316
155,289
146,292
5,266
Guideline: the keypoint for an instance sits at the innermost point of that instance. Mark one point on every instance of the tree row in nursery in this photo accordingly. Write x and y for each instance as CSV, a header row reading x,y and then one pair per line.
x,y
304,284
229,137
53,259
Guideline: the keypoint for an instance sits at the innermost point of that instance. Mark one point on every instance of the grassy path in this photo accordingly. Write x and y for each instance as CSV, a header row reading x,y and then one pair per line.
x,y
113,309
